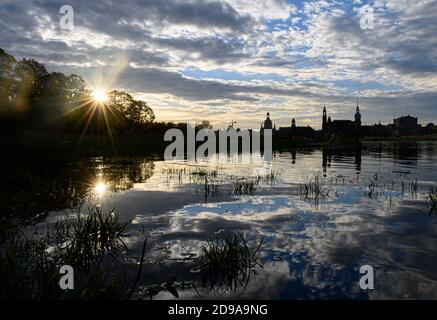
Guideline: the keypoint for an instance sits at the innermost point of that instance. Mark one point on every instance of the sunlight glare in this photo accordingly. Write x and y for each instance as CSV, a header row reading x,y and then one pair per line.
x,y
99,95
100,188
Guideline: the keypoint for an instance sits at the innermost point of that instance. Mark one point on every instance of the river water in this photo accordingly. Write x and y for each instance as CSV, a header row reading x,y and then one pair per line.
x,y
372,210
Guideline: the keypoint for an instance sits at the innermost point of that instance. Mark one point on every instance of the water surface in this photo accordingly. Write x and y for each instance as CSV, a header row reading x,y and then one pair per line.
x,y
375,214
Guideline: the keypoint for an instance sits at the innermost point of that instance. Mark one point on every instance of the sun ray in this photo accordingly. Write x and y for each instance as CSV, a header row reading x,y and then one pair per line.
x,y
99,96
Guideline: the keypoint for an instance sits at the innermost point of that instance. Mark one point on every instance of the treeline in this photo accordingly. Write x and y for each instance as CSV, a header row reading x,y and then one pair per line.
x,y
31,98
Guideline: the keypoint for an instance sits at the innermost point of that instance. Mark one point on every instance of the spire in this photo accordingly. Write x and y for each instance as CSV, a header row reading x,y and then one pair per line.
x,y
358,115
268,123
324,127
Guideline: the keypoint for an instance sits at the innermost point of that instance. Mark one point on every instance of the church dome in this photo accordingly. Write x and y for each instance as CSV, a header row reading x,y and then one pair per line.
x,y
268,123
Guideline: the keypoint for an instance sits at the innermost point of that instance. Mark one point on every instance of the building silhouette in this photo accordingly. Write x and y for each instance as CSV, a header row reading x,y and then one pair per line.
x,y
406,125
330,126
268,124
402,126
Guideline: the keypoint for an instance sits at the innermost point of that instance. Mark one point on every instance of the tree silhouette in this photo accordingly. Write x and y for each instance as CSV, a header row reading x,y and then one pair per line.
x,y
136,111
58,95
205,124
31,97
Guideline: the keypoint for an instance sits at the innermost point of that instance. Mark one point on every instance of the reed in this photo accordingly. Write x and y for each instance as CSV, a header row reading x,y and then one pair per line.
x,y
431,200
314,191
30,264
226,262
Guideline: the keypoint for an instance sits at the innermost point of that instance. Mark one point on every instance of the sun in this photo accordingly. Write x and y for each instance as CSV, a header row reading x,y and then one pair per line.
x,y
100,188
99,96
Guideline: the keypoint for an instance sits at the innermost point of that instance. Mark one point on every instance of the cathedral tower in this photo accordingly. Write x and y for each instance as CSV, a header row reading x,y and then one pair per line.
x,y
358,116
324,119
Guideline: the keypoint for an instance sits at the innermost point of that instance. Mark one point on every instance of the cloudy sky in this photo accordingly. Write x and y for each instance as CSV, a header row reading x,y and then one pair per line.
x,y
226,60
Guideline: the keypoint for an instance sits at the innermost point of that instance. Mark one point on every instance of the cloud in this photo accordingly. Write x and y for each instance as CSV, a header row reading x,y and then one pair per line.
x,y
315,51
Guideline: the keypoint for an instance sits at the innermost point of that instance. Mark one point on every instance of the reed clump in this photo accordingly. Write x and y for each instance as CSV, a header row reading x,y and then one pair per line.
x,y
227,262
431,200
30,264
314,191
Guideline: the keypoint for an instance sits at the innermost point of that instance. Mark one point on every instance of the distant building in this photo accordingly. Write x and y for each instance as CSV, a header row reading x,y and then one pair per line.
x,y
295,131
268,124
341,126
406,125
431,128
291,132
401,126
357,121
325,120
330,126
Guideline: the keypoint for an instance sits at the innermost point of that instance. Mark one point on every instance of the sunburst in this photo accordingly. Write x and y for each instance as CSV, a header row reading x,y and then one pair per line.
x,y
99,96
97,99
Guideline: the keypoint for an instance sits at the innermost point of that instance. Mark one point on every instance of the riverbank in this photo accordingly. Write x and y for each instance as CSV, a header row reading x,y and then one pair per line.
x,y
36,144
400,138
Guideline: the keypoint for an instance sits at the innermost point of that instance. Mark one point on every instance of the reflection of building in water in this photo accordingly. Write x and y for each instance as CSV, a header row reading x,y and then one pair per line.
x,y
358,155
330,154
326,159
407,151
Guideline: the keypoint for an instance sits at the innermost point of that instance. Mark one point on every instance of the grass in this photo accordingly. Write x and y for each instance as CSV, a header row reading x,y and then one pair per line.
x,y
431,200
213,183
93,243
270,178
227,262
245,186
370,191
84,240
30,265
314,191
174,171
414,188
224,265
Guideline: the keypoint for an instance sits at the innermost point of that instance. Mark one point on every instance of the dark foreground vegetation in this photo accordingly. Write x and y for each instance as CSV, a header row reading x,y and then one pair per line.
x,y
94,244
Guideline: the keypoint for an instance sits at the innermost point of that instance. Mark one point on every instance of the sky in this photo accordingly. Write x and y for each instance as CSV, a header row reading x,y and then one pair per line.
x,y
236,60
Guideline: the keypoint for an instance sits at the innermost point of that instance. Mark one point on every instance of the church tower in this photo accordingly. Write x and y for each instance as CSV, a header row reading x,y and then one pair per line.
x,y
358,116
324,119
268,123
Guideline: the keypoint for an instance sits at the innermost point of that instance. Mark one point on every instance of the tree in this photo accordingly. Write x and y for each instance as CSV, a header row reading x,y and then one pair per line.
x,y
204,125
120,101
8,81
58,95
31,96
136,111
33,75
144,113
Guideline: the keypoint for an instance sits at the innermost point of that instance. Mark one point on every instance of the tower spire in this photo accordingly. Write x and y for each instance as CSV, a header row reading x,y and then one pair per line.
x,y
358,115
324,119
